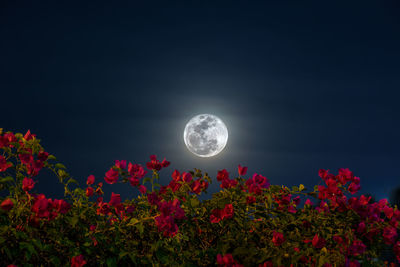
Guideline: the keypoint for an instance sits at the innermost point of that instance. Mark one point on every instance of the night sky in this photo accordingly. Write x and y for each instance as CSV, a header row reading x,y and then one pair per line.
x,y
300,85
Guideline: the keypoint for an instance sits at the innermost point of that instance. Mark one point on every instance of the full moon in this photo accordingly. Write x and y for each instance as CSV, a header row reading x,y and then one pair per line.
x,y
205,135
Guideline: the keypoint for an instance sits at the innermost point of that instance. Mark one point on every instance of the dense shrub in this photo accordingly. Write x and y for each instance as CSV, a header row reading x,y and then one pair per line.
x,y
249,222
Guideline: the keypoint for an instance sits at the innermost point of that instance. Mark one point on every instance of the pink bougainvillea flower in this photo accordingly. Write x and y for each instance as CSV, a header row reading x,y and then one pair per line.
x,y
187,177
344,176
196,187
61,206
103,208
242,170
167,225
90,180
12,265
266,264
261,180
318,242
142,189
133,181
111,176
115,199
353,188
154,164
153,198
25,158
130,208
222,175
277,238
216,215
356,248
308,202
78,261
41,206
176,175
389,235
361,228
250,200
7,204
120,164
3,164
165,163
92,228
227,261
388,212
136,170
28,136
27,184
42,155
228,211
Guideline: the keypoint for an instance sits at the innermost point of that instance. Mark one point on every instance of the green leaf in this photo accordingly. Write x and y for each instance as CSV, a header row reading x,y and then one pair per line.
x,y
140,227
51,157
194,202
60,166
147,179
6,179
133,221
74,220
72,181
301,187
111,262
122,254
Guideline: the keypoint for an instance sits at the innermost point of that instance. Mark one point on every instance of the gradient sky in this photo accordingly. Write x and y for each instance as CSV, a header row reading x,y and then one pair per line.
x,y
300,85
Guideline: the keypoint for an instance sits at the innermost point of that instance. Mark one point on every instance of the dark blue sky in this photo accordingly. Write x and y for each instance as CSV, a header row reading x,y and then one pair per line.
x,y
301,86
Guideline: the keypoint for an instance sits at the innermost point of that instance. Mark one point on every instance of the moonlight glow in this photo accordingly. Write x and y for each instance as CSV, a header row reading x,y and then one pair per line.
x,y
205,135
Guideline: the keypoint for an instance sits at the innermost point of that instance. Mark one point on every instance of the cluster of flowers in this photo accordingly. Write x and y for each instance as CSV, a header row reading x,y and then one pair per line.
x,y
376,220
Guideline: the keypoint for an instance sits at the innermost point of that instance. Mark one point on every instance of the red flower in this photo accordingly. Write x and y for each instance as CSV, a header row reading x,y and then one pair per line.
x,y
250,200
90,180
389,235
357,248
115,199
154,164
222,175
136,170
186,177
242,170
41,206
61,205
134,181
120,164
78,261
176,175
42,155
27,184
318,242
28,135
7,204
93,227
277,238
3,164
228,211
353,188
165,163
111,176
25,158
142,189
216,215
227,261
196,187
167,225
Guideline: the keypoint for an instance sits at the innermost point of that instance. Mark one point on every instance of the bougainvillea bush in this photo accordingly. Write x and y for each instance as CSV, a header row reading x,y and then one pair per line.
x,y
248,223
